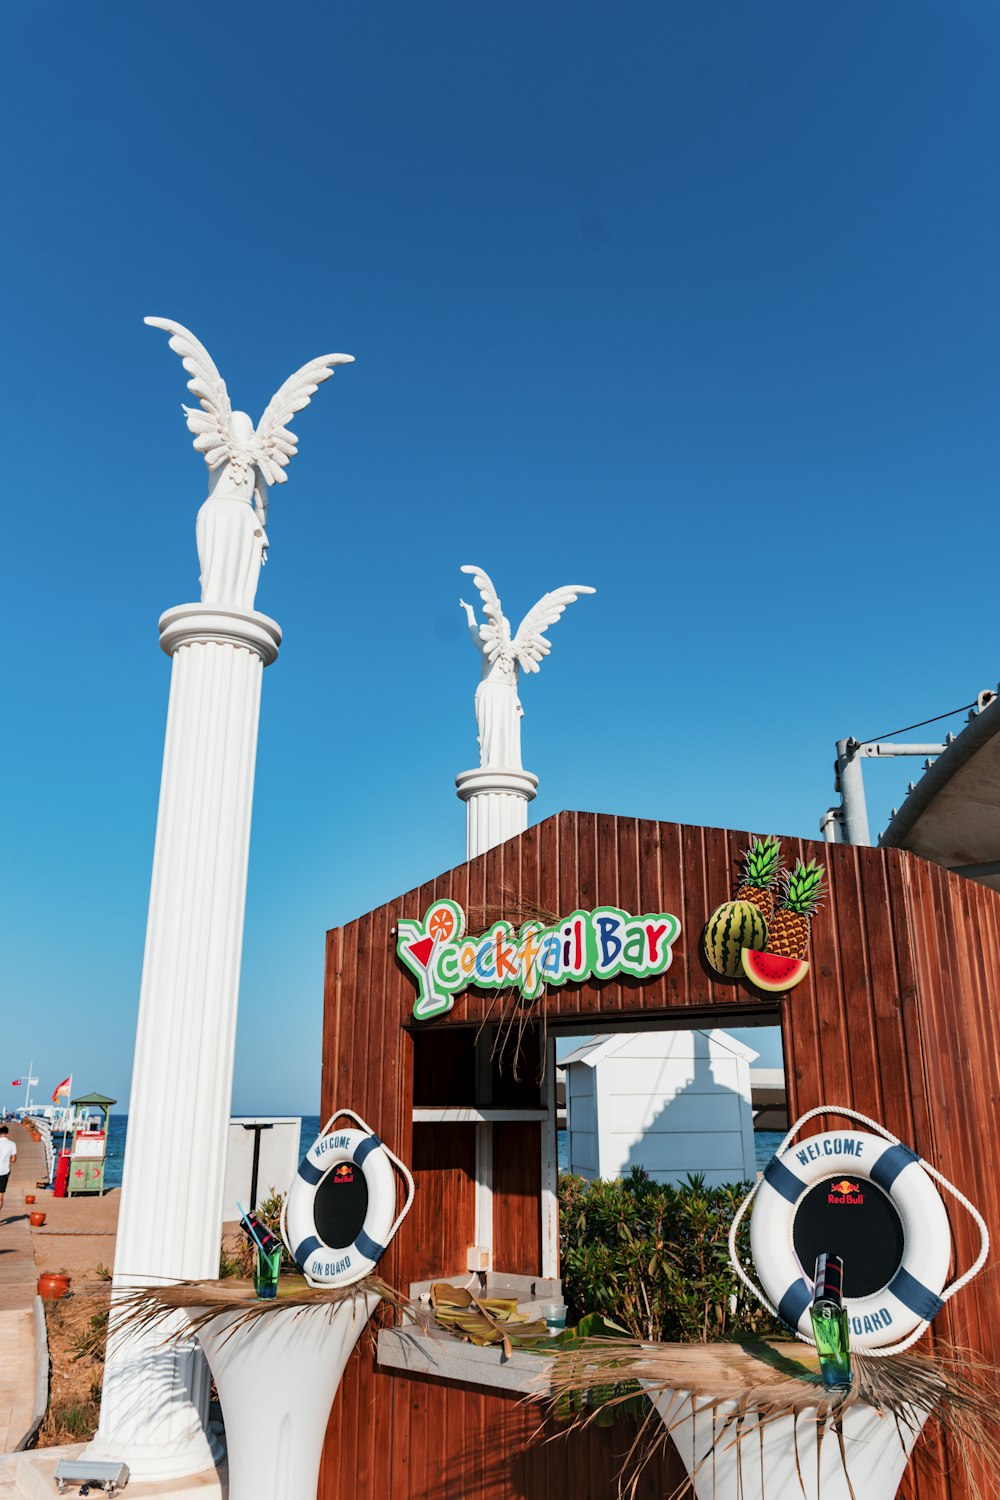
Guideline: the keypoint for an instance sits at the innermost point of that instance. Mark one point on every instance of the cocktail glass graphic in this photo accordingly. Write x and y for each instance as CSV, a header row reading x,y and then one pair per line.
x,y
443,922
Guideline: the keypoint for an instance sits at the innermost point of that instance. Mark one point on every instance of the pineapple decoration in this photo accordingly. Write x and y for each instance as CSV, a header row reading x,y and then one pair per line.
x,y
761,866
764,930
741,925
801,893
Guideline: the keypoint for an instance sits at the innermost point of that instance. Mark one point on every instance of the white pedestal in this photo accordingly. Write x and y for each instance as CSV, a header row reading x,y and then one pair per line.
x,y
496,806
155,1399
763,1467
277,1376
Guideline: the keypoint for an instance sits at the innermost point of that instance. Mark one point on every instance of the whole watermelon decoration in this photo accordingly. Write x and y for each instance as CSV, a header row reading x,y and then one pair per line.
x,y
733,926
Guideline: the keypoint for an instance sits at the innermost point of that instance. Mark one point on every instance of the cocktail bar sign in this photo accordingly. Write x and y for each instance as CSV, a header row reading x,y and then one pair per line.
x,y
596,944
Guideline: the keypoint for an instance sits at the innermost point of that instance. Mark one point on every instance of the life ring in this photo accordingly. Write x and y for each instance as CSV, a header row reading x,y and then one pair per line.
x,y
340,1212
917,1266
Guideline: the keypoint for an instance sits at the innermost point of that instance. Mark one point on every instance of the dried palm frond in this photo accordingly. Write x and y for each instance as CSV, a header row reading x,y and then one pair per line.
x,y
749,1386
513,1018
511,906
484,1320
508,1012
151,1308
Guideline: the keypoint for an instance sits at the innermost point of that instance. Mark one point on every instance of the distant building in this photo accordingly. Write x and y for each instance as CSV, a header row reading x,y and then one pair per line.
x,y
671,1102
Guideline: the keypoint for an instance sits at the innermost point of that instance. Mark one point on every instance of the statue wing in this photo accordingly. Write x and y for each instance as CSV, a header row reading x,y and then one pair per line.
x,y
496,643
530,644
210,425
274,446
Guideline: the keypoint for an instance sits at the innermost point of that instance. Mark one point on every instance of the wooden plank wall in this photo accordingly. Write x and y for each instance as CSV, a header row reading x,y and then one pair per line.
x,y
898,1019
906,1030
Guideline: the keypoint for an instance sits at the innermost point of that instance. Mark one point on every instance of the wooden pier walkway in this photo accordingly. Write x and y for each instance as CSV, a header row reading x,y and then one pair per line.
x,y
18,1276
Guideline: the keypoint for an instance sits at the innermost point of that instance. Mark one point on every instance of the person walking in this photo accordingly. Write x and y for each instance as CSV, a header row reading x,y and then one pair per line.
x,y
8,1154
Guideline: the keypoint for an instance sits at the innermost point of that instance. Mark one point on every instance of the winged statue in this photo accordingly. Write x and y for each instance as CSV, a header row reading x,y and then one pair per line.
x,y
243,462
498,707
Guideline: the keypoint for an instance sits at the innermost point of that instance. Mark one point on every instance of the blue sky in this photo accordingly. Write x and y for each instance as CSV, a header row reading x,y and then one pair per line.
x,y
694,303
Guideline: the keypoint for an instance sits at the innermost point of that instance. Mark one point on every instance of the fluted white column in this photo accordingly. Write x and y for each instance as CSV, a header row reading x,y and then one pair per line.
x,y
496,805
155,1400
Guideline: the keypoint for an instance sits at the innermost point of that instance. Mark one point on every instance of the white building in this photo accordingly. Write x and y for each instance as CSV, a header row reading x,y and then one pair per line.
x,y
671,1102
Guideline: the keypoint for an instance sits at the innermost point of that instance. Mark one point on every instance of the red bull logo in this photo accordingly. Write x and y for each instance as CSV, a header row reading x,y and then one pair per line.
x,y
343,1173
844,1192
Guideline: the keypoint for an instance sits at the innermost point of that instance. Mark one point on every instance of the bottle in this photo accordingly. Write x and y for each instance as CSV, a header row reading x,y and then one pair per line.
x,y
829,1321
259,1233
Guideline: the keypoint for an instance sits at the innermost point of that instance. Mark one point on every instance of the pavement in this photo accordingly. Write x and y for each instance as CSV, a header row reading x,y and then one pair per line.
x,y
78,1234
17,1292
30,1476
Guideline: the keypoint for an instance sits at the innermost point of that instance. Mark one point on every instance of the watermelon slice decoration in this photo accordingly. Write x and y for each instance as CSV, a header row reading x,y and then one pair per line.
x,y
772,971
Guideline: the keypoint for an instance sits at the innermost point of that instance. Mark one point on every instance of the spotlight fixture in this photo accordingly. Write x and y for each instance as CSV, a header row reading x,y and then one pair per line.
x,y
107,1477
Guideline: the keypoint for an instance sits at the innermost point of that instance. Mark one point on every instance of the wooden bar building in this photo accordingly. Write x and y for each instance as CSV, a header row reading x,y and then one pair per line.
x,y
899,1018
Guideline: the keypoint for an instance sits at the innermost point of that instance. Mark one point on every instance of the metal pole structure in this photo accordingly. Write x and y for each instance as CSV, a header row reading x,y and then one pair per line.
x,y
852,792
255,1169
848,823
881,748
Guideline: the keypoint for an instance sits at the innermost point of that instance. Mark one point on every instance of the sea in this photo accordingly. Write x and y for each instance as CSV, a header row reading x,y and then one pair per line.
x,y
766,1142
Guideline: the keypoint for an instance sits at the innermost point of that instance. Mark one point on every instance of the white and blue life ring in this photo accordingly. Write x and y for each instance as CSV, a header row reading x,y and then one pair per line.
x,y
904,1241
340,1212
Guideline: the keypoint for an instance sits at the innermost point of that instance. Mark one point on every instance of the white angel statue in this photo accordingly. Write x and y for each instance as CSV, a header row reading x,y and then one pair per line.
x,y
498,708
242,464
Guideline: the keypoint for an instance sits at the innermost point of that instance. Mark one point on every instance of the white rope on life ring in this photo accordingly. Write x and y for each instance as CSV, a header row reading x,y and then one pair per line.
x,y
887,1321
340,1265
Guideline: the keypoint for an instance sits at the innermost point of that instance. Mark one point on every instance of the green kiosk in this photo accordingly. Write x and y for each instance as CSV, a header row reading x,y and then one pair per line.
x,y
90,1144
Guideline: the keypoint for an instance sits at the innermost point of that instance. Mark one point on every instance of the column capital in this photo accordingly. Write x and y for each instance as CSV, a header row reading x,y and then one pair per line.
x,y
496,805
486,779
201,624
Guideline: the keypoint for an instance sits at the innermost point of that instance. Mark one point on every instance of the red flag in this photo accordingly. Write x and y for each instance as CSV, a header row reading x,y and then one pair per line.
x,y
62,1088
15,1083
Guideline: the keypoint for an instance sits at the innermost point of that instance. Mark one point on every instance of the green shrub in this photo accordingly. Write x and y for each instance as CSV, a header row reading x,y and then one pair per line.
x,y
654,1257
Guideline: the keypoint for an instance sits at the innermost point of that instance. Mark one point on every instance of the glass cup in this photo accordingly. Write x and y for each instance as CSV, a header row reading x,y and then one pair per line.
x,y
266,1278
554,1314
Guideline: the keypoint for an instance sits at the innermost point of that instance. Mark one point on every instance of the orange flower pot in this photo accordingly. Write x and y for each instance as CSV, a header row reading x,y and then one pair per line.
x,y
36,1219
29,1197
53,1285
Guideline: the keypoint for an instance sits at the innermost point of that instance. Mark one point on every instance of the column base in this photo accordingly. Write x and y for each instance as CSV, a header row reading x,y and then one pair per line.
x,y
496,803
159,1463
154,1407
